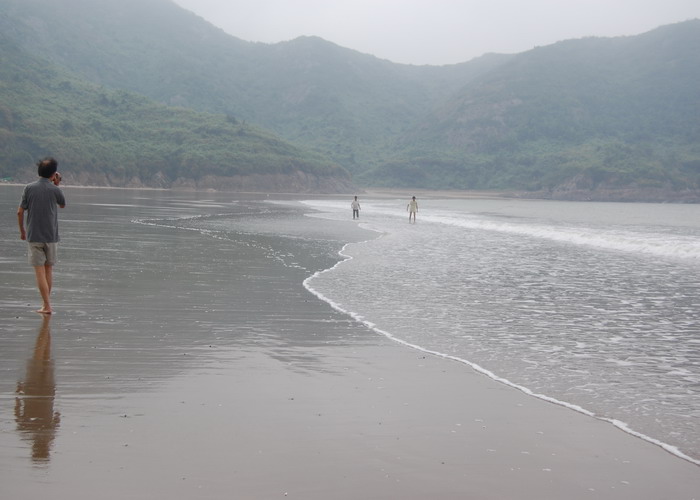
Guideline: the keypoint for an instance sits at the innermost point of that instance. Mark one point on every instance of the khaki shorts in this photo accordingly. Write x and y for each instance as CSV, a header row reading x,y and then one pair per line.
x,y
42,254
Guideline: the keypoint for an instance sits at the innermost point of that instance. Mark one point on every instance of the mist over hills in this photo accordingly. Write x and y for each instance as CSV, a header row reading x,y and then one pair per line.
x,y
596,118
107,137
576,116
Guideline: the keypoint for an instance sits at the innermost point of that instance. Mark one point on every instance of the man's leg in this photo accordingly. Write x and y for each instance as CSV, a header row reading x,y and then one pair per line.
x,y
44,281
48,270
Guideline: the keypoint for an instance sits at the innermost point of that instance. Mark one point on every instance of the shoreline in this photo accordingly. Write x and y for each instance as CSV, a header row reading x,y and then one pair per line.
x,y
377,192
622,195
622,426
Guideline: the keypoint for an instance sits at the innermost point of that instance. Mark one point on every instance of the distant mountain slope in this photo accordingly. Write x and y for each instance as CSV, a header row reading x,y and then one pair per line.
x,y
148,46
595,118
335,100
116,138
581,114
629,88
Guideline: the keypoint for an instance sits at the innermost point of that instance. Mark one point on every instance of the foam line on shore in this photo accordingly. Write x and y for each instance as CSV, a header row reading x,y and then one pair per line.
x,y
359,318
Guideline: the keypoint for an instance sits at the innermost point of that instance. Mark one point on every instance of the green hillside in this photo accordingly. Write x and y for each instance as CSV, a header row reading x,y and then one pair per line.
x,y
619,112
595,118
339,102
114,137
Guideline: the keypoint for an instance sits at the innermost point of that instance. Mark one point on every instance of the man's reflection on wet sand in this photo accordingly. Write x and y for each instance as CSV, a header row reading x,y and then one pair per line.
x,y
34,405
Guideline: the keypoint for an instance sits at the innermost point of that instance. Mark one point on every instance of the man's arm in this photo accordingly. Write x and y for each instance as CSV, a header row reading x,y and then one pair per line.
x,y
20,221
60,199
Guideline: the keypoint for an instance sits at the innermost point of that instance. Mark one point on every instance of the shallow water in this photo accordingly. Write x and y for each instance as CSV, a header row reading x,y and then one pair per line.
x,y
594,305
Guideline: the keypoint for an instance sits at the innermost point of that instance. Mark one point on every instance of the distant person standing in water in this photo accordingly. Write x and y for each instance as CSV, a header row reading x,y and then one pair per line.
x,y
355,208
40,200
412,208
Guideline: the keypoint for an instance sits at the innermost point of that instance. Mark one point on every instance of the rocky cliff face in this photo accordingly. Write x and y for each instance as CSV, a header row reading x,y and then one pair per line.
x,y
626,194
581,188
297,182
300,182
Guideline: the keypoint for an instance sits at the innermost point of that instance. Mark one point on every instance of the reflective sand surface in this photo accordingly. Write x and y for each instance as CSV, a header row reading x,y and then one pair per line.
x,y
183,366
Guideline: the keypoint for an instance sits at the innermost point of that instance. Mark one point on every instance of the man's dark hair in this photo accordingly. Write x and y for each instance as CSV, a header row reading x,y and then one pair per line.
x,y
47,167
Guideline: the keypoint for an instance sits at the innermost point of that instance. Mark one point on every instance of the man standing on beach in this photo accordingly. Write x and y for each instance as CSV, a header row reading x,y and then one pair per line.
x,y
412,208
40,200
355,208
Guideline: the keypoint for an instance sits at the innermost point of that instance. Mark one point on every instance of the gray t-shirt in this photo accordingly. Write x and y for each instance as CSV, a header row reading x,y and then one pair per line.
x,y
41,200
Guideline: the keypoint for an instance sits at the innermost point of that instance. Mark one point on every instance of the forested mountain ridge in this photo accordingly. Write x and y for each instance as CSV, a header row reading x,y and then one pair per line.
x,y
579,115
342,103
596,118
110,137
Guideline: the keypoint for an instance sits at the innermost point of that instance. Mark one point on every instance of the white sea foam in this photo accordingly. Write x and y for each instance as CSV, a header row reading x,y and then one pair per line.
x,y
675,246
369,324
519,300
623,239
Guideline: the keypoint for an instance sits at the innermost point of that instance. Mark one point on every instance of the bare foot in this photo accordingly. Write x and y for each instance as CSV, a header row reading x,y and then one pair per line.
x,y
44,311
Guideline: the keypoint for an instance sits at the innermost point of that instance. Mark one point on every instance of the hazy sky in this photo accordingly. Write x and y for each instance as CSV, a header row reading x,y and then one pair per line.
x,y
439,31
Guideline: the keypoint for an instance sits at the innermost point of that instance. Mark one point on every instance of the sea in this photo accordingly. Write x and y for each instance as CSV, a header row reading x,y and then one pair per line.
x,y
594,306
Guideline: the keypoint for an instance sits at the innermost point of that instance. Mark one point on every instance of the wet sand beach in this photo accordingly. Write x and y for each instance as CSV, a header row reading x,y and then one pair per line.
x,y
182,364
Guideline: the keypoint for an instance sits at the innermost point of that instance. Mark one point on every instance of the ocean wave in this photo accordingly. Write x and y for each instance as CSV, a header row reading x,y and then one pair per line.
x,y
492,375
664,244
